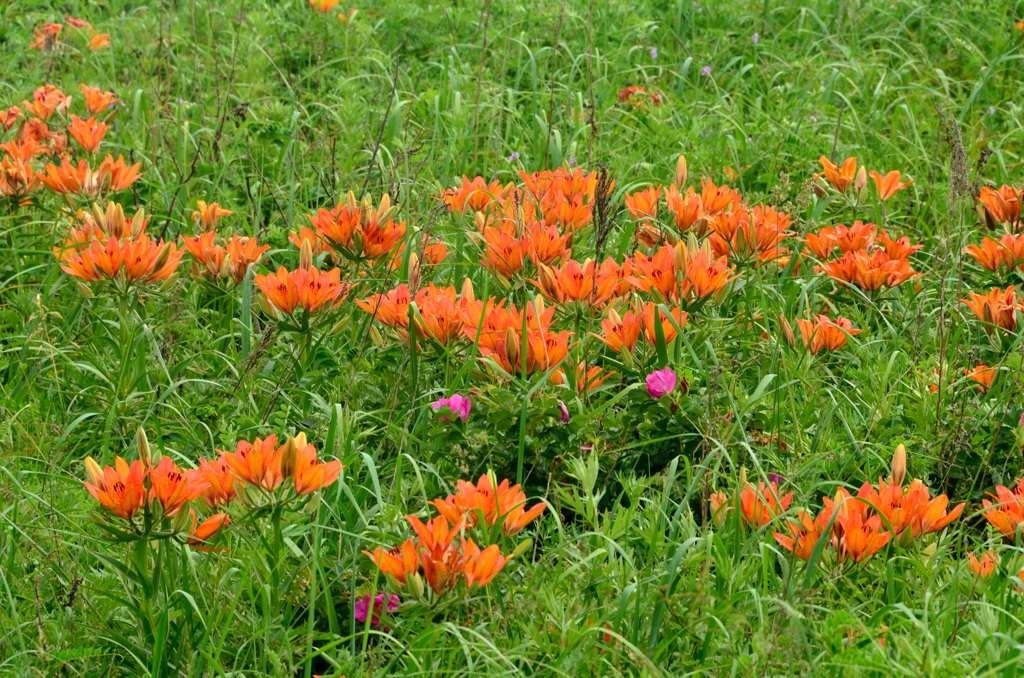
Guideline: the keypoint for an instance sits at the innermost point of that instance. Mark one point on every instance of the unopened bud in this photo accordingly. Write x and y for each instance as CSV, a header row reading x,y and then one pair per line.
x,y
414,271
513,350
899,464
681,171
143,443
787,330
138,221
861,180
480,221
415,584
289,454
168,284
350,202
181,520
906,538
163,256
467,290
548,281
378,340
83,289
385,204
306,255
521,548
743,476
268,308
225,268
340,326
93,472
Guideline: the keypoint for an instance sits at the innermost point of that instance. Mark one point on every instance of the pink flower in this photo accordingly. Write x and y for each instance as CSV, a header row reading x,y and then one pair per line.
x,y
661,382
565,412
382,604
459,406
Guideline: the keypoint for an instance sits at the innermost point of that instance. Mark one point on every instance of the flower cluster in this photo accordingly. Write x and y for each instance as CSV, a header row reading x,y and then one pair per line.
x,y
866,258
52,36
440,552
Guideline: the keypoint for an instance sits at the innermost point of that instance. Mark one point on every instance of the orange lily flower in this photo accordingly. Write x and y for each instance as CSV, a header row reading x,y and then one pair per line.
x,y
503,253
901,248
569,215
821,243
717,199
703,275
983,374
312,289
888,185
480,567
96,100
257,463
442,565
839,177
1008,513
474,194
860,236
620,333
1002,205
687,211
644,204
1013,252
431,252
900,507
573,282
803,535
984,567
219,482
472,502
172,487
99,41
110,176
655,274
391,308
17,179
206,530
121,490
932,516
9,117
726,224
441,316
219,262
378,240
668,328
45,101
323,6
761,505
399,562
88,133
823,333
209,215
990,255
546,246
995,309
860,538
311,474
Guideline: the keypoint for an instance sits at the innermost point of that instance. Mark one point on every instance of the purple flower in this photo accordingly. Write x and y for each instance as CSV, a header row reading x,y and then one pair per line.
x,y
775,478
514,157
572,161
991,110
564,418
654,52
756,37
459,406
382,604
661,382
706,70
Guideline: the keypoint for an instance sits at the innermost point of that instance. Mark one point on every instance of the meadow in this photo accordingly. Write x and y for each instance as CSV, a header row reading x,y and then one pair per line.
x,y
651,338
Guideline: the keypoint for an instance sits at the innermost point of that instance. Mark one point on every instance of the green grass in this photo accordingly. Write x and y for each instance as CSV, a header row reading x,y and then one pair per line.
x,y
274,112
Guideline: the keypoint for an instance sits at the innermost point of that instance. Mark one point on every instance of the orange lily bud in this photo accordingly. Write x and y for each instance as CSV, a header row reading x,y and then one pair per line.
x,y
290,453
899,464
414,271
681,171
985,217
861,180
181,521
906,538
679,256
548,281
743,476
306,255
522,548
719,506
787,330
513,349
479,220
143,443
467,290
93,472
163,256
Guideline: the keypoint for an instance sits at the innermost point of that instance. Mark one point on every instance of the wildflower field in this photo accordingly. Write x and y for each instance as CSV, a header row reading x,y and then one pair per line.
x,y
569,338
